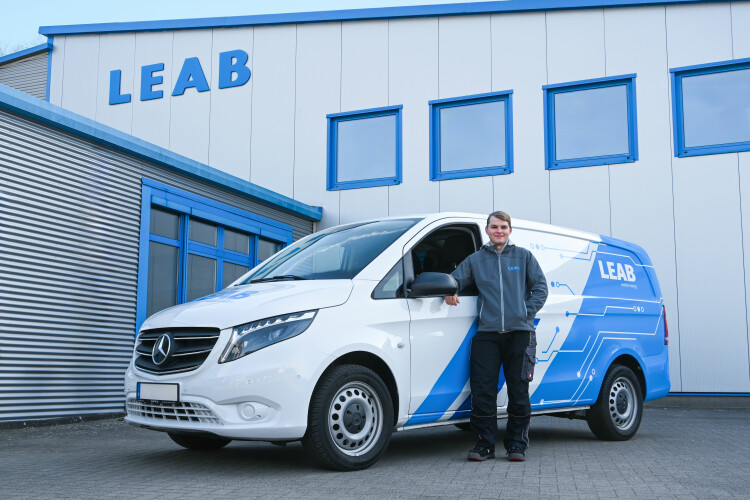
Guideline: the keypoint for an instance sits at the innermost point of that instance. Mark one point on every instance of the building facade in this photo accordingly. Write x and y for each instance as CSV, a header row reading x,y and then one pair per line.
x,y
627,119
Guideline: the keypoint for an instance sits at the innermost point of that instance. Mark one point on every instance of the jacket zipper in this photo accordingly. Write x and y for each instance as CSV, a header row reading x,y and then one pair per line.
x,y
502,303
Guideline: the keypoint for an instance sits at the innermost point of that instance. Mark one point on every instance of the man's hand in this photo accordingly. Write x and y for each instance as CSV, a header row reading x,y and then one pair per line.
x,y
452,300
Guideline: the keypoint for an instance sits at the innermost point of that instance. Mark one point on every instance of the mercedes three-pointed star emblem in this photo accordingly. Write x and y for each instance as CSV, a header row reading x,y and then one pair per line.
x,y
162,349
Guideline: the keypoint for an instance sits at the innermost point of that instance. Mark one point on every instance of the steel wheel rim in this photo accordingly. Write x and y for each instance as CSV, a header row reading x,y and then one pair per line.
x,y
355,419
622,404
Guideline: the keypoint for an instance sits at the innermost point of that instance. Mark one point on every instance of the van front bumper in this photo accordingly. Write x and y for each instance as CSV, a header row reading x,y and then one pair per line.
x,y
263,396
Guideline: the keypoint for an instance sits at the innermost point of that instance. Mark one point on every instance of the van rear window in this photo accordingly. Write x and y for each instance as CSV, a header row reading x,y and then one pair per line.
x,y
340,252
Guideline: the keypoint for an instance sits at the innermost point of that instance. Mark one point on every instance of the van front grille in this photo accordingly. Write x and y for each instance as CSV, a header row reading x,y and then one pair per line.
x,y
182,349
178,412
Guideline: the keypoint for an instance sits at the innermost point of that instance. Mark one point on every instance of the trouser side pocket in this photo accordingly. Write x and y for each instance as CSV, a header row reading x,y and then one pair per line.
x,y
529,360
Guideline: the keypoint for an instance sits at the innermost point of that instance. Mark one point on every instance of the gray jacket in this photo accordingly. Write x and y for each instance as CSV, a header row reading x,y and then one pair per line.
x,y
512,287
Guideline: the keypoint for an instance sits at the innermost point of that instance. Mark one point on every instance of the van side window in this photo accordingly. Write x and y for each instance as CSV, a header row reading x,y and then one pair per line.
x,y
392,286
444,249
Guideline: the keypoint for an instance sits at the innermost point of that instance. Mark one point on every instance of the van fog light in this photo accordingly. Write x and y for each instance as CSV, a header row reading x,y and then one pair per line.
x,y
253,411
254,336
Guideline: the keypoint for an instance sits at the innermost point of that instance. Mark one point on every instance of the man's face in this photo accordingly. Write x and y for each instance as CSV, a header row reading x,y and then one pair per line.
x,y
498,230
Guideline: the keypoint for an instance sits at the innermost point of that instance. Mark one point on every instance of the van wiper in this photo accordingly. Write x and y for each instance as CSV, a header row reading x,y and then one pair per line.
x,y
280,277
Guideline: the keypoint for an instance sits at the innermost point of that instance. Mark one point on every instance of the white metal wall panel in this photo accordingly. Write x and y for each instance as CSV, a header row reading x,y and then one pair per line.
x,y
519,63
190,112
27,75
272,148
231,108
116,51
318,92
465,68
744,175
698,34
641,192
740,32
69,239
710,275
80,75
56,73
413,82
579,197
364,85
151,119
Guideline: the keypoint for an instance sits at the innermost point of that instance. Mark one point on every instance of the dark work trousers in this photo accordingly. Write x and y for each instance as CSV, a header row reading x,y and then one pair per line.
x,y
490,350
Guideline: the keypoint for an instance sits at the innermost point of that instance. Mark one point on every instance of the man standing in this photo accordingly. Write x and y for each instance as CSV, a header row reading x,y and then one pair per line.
x,y
512,288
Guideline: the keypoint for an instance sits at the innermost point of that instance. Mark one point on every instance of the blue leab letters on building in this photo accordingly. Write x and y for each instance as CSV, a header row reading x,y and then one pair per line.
x,y
233,72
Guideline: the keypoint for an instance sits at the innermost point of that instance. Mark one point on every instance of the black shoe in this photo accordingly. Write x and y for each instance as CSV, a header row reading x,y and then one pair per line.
x,y
516,455
480,454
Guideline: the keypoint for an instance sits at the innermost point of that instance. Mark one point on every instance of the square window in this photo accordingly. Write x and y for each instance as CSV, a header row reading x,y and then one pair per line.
x,y
711,107
471,136
364,148
590,122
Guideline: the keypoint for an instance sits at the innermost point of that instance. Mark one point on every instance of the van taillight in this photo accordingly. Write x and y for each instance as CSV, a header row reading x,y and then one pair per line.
x,y
666,329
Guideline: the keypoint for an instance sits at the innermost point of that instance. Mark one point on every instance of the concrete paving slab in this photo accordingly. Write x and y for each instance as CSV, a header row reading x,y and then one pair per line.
x,y
677,453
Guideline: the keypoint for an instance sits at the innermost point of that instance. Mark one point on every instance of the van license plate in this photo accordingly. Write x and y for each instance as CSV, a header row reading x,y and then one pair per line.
x,y
158,392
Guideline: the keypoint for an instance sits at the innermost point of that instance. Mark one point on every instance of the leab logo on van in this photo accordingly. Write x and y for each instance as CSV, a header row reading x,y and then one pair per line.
x,y
616,271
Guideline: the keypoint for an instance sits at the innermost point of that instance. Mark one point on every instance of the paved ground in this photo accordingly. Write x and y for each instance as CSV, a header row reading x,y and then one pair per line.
x,y
678,453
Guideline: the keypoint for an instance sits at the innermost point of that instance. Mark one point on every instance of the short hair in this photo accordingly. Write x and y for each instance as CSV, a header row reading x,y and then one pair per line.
x,y
499,215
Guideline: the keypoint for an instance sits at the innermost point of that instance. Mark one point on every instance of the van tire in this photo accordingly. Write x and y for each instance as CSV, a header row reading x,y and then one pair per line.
x,y
617,413
350,420
199,443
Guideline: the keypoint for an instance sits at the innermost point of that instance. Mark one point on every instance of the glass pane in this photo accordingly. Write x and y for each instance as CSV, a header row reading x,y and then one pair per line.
x,y
236,242
163,267
391,286
339,252
716,108
201,276
472,136
366,148
202,232
231,272
592,122
165,223
266,249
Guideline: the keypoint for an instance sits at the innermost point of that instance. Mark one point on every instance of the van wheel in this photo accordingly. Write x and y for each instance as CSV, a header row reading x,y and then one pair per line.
x,y
350,420
617,413
197,442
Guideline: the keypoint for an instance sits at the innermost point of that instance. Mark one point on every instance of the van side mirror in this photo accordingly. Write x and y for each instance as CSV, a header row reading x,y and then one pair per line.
x,y
429,284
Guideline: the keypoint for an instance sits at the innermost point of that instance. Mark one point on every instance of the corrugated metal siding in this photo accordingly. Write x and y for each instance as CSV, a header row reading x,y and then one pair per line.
x,y
69,235
27,75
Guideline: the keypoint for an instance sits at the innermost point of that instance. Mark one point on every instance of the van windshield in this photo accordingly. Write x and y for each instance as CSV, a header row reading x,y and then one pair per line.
x,y
340,252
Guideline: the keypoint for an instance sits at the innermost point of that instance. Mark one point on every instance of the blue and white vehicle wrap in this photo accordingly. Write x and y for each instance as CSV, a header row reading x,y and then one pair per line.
x,y
604,302
604,305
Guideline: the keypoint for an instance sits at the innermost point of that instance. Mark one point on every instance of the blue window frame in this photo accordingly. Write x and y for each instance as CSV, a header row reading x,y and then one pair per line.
x,y
711,108
364,148
590,122
191,246
471,136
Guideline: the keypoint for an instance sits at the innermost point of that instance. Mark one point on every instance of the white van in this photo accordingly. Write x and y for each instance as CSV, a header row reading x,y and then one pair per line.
x,y
344,337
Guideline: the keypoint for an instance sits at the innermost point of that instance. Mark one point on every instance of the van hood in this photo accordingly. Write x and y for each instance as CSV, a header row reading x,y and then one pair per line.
x,y
237,305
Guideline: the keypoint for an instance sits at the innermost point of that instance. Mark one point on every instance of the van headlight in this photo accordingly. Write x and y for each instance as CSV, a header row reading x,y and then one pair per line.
x,y
251,337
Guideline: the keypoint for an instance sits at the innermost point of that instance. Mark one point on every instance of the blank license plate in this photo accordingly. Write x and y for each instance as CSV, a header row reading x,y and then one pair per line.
x,y
158,392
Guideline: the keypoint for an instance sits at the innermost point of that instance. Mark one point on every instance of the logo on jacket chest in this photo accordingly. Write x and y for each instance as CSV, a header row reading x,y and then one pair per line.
x,y
514,268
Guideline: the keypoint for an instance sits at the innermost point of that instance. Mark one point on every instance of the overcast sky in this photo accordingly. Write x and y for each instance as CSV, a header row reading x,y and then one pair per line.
x,y
20,19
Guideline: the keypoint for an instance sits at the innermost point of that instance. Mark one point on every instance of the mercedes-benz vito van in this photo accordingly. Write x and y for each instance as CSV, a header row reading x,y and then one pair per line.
x,y
344,336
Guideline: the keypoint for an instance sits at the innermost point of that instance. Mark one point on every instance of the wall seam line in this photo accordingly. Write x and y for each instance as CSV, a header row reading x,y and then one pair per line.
x,y
674,218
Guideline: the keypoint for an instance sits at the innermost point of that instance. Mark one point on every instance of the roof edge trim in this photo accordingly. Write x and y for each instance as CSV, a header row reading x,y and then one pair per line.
x,y
67,121
26,52
400,12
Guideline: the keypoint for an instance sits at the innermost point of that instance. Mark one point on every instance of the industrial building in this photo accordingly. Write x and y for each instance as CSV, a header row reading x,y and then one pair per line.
x,y
628,119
